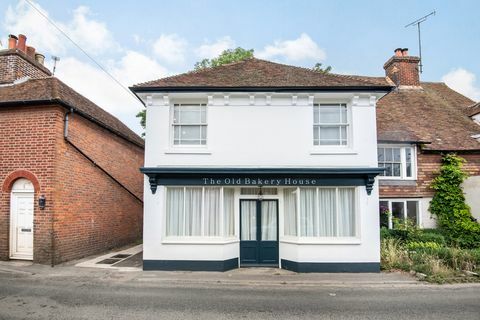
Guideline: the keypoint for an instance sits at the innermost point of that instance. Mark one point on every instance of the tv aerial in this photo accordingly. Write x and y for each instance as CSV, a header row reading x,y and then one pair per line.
x,y
418,22
55,60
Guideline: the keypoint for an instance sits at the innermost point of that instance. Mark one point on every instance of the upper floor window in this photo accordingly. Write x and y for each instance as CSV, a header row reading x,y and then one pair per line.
x,y
397,161
330,124
189,124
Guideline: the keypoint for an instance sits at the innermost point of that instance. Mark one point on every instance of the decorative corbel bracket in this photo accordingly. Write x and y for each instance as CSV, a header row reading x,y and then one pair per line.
x,y
369,182
153,184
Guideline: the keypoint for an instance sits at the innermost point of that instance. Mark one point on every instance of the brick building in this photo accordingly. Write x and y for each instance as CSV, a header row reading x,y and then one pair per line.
x,y
69,178
418,122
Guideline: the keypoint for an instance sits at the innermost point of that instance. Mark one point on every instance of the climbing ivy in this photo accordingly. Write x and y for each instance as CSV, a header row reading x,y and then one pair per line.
x,y
448,204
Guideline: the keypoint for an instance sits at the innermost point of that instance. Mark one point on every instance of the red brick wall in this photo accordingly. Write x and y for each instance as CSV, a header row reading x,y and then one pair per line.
x,y
15,65
403,70
28,143
91,211
427,165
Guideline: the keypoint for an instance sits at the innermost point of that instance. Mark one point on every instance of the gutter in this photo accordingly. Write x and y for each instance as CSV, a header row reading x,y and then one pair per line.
x,y
262,89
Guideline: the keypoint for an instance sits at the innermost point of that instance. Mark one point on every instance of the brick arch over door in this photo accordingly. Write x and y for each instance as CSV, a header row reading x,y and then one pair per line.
x,y
12,177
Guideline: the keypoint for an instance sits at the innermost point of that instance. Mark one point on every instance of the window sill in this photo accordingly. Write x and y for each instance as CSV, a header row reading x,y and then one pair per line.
x,y
188,151
333,241
194,241
330,150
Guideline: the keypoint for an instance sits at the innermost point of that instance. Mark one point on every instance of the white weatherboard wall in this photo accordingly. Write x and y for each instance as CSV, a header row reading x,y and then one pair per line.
x,y
262,130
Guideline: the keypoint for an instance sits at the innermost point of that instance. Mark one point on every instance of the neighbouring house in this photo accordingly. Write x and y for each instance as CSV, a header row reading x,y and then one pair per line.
x,y
69,178
418,122
257,163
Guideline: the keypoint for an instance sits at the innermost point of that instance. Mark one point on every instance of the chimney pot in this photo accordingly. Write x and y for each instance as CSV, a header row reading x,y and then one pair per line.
x,y
40,58
405,52
31,52
12,41
398,52
21,45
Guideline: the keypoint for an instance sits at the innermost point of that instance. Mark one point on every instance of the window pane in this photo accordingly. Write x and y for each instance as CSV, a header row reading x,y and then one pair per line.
x,y
249,220
384,214
396,154
388,170
190,115
412,211
328,212
290,212
329,114
346,212
308,212
388,154
381,154
193,211
344,114
398,210
408,158
269,220
190,132
329,133
212,212
228,212
175,213
316,118
396,170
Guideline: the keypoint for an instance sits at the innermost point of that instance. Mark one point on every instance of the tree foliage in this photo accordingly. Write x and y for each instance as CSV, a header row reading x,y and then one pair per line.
x,y
142,115
227,56
318,68
448,204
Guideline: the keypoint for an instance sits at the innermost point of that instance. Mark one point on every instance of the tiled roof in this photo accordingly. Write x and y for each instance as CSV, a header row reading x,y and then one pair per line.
x,y
38,90
251,73
434,114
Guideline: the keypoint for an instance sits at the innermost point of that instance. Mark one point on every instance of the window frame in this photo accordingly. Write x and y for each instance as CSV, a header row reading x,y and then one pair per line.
x,y
299,239
172,125
405,214
347,125
222,238
403,162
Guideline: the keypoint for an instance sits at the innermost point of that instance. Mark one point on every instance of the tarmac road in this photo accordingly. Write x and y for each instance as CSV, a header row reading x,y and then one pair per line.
x,y
46,294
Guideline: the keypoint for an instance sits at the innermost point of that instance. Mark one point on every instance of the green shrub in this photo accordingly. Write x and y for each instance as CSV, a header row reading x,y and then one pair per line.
x,y
427,236
393,255
448,204
418,245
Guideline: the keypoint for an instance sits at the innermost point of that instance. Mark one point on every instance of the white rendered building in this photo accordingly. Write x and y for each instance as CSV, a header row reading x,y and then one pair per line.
x,y
261,164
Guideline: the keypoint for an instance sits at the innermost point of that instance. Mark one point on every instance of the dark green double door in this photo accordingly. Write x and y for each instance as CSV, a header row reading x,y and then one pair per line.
x,y
259,233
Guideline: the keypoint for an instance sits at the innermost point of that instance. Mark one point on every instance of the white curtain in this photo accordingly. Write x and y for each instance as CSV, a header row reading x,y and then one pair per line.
x,y
290,212
308,212
249,220
346,212
175,213
269,220
228,212
327,215
193,211
212,212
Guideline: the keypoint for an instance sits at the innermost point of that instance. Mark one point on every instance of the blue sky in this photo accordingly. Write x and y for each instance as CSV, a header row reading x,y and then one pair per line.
x,y
142,40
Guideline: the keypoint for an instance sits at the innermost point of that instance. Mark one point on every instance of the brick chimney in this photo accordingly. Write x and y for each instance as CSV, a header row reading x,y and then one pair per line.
x,y
402,69
20,61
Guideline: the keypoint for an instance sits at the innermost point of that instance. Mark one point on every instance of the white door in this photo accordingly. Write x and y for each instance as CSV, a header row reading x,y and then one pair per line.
x,y
21,220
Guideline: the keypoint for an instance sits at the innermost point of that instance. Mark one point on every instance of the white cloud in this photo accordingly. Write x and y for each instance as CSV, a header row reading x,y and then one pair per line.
x,y
211,50
93,36
135,67
464,82
170,48
302,48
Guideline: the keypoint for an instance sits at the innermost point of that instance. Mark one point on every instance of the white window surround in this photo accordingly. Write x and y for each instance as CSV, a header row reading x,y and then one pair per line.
x,y
405,207
403,173
348,148
356,239
187,148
